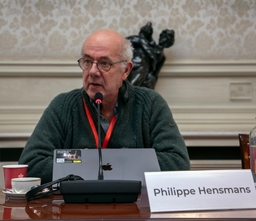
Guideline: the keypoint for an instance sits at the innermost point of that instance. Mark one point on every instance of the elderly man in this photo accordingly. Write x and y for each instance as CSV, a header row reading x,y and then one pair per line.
x,y
131,117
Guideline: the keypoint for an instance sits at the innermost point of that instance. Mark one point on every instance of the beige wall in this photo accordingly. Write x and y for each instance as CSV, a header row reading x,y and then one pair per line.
x,y
208,79
205,30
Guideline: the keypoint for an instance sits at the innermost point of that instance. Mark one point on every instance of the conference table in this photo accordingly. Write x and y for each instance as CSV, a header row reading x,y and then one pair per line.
x,y
53,207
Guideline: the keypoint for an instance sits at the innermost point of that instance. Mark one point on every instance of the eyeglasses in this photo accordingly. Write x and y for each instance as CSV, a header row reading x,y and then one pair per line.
x,y
105,66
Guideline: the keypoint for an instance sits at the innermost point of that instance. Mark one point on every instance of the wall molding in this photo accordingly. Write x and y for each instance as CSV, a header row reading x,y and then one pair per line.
x,y
17,123
19,114
209,69
69,68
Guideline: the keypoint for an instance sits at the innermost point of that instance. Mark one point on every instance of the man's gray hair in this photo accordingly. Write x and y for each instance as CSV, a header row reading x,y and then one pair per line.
x,y
127,52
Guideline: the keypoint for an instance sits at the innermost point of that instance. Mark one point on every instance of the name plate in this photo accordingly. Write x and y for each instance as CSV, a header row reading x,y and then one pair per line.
x,y
200,190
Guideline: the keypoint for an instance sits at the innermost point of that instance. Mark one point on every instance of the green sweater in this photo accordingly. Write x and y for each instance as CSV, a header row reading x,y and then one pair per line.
x,y
144,121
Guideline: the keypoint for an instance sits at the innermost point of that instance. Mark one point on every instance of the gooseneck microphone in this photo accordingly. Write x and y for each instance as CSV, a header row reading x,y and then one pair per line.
x,y
98,98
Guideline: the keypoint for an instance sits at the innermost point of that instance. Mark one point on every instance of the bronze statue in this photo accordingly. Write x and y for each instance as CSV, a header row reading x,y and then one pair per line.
x,y
148,57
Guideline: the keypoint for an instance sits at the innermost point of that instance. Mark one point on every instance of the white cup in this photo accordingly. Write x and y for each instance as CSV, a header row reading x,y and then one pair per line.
x,y
23,185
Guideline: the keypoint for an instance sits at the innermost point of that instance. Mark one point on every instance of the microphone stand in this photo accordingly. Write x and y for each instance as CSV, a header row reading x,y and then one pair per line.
x,y
100,173
91,191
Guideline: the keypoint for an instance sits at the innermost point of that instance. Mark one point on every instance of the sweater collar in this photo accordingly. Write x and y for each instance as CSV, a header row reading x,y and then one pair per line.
x,y
126,92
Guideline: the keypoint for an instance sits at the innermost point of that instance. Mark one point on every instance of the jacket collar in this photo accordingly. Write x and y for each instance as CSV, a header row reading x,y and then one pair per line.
x,y
126,92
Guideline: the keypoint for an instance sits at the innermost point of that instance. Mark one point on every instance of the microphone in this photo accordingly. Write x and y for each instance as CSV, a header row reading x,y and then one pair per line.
x,y
98,97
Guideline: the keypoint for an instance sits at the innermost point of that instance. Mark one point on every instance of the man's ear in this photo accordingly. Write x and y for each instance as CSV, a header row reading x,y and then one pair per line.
x,y
129,67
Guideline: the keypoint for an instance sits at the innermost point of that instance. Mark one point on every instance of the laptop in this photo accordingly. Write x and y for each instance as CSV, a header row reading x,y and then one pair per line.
x,y
117,164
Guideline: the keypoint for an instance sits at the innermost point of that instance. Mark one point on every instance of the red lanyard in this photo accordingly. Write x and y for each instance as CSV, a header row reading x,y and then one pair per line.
x,y
109,131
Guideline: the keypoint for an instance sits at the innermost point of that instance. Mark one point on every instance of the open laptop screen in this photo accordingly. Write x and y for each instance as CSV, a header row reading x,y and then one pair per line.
x,y
118,164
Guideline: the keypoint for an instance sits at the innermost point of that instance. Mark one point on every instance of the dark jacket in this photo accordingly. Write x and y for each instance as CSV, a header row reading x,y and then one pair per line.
x,y
144,121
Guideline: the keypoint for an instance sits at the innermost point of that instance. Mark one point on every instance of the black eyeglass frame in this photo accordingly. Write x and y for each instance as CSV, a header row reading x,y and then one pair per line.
x,y
94,62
